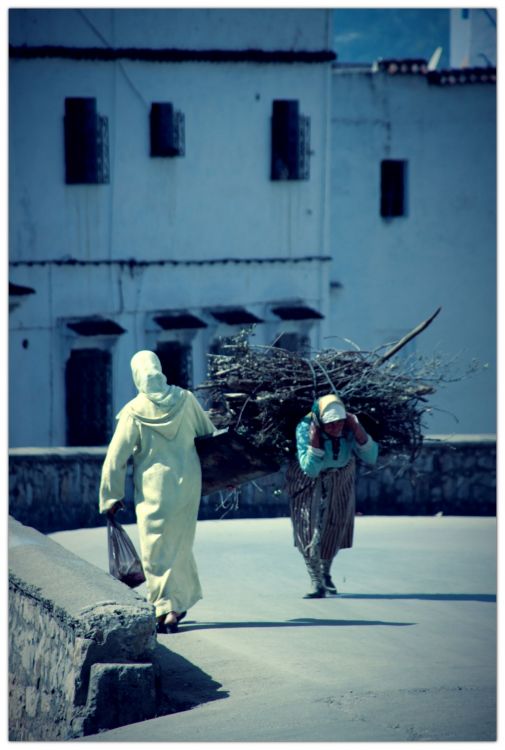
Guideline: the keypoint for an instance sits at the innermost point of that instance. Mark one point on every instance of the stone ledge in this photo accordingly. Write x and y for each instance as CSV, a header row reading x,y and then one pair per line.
x,y
74,632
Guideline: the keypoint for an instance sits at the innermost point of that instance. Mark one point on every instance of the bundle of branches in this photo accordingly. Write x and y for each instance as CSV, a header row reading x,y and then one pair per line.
x,y
262,392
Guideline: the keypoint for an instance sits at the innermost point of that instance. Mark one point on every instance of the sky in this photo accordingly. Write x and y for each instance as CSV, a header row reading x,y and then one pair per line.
x,y
364,35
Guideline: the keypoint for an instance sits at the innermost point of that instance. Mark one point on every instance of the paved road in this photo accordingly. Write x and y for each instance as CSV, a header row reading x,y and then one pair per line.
x,y
406,652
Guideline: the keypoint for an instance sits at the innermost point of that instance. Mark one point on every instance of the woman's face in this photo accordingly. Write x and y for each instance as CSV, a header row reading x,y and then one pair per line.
x,y
334,429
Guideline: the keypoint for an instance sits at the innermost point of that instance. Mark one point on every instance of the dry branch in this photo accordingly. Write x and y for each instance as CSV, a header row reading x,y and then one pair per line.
x,y
263,392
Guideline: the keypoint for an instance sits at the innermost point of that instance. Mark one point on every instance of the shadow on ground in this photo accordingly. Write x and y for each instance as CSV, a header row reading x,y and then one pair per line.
x,y
426,597
180,685
299,622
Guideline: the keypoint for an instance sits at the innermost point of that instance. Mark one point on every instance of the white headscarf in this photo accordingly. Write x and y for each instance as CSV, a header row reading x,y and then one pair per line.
x,y
157,401
148,376
331,409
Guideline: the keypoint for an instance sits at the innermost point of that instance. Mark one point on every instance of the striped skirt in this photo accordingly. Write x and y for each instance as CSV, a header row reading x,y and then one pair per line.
x,y
322,509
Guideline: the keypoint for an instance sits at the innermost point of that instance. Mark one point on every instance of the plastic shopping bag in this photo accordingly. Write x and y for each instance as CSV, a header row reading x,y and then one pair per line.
x,y
124,563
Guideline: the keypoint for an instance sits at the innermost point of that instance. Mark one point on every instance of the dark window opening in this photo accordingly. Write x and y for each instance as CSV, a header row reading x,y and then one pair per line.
x,y
393,188
298,343
176,362
217,346
167,130
88,386
290,142
86,143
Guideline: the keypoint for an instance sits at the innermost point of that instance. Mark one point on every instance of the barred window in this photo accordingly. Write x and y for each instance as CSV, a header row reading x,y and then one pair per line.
x,y
176,362
88,386
86,143
290,157
297,343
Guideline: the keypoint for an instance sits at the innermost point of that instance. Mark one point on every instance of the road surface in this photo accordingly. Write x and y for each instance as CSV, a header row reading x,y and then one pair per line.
x,y
407,651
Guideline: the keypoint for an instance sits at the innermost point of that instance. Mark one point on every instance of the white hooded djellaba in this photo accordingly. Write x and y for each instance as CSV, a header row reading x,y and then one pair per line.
x,y
158,428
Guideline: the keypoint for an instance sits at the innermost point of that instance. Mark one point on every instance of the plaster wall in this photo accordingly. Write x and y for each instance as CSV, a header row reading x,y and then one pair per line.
x,y
395,272
291,29
216,201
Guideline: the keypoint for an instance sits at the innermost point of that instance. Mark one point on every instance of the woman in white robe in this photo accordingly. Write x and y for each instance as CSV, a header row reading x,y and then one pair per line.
x,y
158,428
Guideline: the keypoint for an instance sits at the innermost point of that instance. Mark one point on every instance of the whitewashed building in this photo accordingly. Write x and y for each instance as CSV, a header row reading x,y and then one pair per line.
x,y
177,174
169,183
413,221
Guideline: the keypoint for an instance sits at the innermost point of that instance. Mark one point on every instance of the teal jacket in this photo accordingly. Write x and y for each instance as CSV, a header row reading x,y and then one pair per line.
x,y
315,460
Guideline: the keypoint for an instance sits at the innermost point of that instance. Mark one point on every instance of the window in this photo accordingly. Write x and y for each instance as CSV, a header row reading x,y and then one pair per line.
x,y
176,362
290,142
88,385
167,130
86,143
298,343
393,188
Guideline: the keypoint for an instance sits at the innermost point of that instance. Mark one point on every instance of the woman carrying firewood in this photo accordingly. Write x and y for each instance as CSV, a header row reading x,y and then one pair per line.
x,y
321,486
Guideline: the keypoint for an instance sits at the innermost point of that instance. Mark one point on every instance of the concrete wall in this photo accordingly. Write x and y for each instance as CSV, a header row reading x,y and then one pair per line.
x,y
395,272
58,489
80,644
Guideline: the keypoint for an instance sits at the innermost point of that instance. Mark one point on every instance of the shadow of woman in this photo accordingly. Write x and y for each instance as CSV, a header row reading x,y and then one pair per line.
x,y
296,623
426,597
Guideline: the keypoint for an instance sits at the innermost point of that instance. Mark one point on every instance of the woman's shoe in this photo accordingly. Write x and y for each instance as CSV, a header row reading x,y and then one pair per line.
x,y
172,621
329,585
169,622
160,625
318,593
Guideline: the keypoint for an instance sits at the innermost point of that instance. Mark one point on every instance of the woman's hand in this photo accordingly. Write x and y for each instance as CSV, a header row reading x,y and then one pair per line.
x,y
114,508
314,436
352,422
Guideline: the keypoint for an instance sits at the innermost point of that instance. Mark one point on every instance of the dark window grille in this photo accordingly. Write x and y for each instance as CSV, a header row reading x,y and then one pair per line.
x,y
176,362
298,343
86,143
290,158
88,387
217,345
167,130
103,168
393,187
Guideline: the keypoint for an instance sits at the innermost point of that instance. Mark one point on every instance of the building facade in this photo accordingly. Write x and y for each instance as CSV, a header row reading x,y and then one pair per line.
x,y
176,175
169,185
413,223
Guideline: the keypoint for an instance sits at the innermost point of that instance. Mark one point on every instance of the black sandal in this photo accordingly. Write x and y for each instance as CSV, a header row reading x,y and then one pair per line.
x,y
161,625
